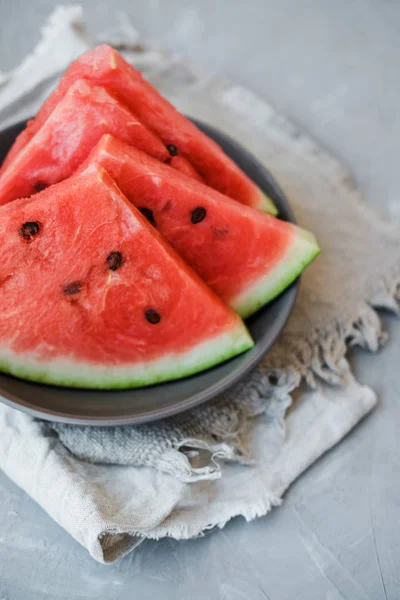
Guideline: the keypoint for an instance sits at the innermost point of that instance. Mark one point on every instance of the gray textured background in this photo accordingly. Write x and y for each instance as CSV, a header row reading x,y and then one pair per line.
x,y
334,69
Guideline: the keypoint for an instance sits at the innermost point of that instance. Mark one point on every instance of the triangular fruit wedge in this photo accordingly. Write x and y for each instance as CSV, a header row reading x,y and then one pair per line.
x,y
247,257
107,67
92,296
84,114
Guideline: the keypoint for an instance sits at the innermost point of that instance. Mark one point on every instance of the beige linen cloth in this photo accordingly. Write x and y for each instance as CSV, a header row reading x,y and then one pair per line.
x,y
112,488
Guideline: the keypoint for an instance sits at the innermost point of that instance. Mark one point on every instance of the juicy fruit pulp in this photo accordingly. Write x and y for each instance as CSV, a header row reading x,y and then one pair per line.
x,y
106,67
245,256
66,138
93,297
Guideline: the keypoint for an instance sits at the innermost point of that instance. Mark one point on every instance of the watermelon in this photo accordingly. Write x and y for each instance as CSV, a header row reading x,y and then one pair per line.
x,y
92,296
245,256
80,119
106,67
184,166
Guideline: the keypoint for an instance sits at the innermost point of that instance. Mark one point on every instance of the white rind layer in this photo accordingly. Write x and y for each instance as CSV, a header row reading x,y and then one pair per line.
x,y
266,205
77,373
303,249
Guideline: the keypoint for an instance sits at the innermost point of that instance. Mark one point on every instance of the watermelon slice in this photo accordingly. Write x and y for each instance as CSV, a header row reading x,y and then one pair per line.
x,y
181,164
106,66
245,256
80,119
93,297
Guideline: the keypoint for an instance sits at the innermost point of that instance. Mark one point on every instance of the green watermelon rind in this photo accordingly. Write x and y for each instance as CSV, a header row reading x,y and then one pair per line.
x,y
70,373
301,252
266,204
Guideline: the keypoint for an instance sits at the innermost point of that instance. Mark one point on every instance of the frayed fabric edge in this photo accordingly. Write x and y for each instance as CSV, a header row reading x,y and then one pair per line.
x,y
310,361
178,461
113,545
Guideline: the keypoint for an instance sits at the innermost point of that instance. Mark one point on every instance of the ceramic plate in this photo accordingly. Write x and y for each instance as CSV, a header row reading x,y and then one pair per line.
x,y
155,402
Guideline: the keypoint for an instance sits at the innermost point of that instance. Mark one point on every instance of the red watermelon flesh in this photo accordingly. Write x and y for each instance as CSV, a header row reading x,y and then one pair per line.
x,y
181,164
107,67
93,297
66,138
247,257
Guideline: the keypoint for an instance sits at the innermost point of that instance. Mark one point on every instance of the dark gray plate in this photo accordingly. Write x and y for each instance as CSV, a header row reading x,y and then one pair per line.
x,y
151,403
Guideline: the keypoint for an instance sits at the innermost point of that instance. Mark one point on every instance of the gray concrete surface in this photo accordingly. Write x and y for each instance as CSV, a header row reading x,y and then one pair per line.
x,y
333,68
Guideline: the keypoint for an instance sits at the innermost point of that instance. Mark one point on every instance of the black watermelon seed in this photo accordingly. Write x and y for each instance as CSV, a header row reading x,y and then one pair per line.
x,y
148,213
198,214
40,186
114,260
72,288
152,316
167,161
28,230
172,149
